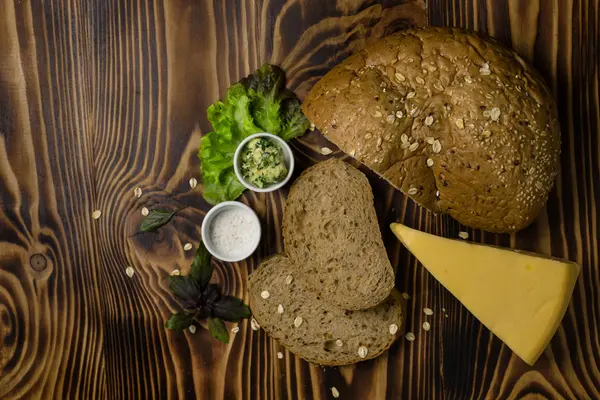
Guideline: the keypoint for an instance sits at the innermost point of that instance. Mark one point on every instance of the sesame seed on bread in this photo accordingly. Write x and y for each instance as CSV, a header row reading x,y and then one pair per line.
x,y
457,121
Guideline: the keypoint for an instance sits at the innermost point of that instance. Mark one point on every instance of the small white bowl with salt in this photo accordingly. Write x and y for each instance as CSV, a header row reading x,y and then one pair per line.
x,y
231,231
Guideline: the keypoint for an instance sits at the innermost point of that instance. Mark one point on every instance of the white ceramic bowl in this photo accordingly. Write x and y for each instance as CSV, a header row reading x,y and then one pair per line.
x,y
209,218
288,158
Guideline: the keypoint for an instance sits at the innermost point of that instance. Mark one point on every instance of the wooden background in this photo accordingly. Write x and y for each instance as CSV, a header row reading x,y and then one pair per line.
x,y
99,97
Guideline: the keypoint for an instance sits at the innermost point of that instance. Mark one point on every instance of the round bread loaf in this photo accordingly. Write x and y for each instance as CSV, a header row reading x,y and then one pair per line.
x,y
457,121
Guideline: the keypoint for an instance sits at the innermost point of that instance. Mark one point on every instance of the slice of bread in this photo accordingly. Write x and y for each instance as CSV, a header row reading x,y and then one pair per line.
x,y
314,329
331,233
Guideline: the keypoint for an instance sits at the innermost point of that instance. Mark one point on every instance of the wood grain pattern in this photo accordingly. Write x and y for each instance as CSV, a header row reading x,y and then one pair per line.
x,y
100,97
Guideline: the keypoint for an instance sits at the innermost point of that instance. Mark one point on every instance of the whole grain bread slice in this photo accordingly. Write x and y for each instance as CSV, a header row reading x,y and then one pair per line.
x,y
290,311
331,233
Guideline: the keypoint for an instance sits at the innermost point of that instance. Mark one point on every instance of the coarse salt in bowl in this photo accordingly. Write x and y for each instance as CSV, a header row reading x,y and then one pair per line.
x,y
231,231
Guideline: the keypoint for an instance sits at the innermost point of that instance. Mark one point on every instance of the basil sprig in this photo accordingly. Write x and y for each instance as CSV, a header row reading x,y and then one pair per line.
x,y
201,299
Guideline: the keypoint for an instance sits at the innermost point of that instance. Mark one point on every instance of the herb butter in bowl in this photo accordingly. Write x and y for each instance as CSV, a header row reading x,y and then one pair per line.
x,y
231,231
263,162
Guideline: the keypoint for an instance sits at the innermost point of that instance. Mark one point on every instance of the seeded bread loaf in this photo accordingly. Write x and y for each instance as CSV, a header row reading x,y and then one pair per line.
x,y
331,233
290,311
458,122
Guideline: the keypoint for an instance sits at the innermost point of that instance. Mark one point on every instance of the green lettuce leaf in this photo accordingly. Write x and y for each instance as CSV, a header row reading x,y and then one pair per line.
x,y
294,121
258,103
264,86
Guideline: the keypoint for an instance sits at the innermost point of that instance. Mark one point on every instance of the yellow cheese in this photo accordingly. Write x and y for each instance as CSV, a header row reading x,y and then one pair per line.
x,y
520,297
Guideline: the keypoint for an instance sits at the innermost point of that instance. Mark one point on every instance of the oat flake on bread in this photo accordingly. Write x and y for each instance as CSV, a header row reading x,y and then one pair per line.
x,y
494,119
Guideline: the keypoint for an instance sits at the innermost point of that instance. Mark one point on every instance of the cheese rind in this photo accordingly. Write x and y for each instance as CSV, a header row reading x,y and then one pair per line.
x,y
520,297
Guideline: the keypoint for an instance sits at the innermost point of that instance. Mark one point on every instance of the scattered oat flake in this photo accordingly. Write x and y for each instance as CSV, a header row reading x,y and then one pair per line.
x,y
390,119
378,114
410,336
393,329
399,77
446,315
352,153
429,140
254,324
280,309
438,86
298,321
468,79
399,114
412,191
420,80
413,146
175,272
145,211
495,114
193,183
279,355
430,162
405,145
326,151
428,311
415,112
443,309
362,351
429,120
265,294
404,138
436,146
437,193
96,214
192,328
187,246
129,271
463,235
335,393
406,296
486,134
411,95
288,279
137,192
426,326
339,343
460,123
235,329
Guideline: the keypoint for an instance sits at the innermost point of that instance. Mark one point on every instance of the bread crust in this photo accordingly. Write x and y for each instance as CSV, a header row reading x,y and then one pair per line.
x,y
457,121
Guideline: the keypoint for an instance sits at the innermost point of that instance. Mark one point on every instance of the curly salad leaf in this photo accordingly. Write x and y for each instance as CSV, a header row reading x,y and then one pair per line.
x,y
258,103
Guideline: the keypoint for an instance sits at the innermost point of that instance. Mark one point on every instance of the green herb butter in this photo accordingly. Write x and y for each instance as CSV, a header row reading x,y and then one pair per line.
x,y
263,163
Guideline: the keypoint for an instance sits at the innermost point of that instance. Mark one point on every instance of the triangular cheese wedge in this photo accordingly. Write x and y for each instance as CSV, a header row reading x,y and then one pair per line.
x,y
520,297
